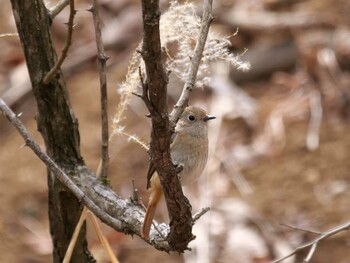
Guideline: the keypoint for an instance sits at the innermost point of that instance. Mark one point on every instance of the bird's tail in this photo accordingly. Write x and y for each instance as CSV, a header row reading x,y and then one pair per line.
x,y
156,194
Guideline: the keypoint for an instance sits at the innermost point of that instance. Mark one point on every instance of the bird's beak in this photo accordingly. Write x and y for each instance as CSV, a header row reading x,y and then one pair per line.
x,y
208,117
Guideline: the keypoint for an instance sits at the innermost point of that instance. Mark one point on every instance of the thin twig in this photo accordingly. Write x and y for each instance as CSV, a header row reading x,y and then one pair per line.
x,y
182,103
198,215
58,8
102,170
144,95
102,58
52,73
135,198
311,252
301,229
315,242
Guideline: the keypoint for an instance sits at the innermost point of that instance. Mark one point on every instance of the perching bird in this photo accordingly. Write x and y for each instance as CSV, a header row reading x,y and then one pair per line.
x,y
189,149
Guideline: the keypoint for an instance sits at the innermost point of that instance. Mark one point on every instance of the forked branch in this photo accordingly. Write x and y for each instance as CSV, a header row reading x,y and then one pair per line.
x,y
52,73
58,8
314,243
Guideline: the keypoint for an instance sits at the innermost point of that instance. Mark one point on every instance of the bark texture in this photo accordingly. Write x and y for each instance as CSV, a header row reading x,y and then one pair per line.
x,y
155,97
56,122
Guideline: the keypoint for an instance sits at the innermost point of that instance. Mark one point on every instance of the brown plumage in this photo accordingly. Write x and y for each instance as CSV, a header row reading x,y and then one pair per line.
x,y
190,149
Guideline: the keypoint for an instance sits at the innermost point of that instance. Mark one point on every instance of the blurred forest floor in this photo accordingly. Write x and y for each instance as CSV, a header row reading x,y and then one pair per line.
x,y
280,146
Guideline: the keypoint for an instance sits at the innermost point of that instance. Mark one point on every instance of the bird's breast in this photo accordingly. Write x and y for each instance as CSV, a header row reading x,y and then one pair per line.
x,y
193,157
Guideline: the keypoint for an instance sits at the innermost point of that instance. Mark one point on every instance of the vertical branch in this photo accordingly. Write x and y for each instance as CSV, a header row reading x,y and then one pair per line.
x,y
181,104
102,58
155,97
102,170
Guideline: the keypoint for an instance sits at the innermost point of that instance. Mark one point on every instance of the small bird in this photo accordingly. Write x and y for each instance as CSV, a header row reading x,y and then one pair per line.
x,y
188,149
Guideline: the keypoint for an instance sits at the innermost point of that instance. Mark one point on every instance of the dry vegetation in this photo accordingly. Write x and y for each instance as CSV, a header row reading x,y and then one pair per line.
x,y
279,148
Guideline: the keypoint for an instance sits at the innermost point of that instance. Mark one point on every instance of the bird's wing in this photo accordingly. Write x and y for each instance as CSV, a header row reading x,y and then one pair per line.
x,y
152,169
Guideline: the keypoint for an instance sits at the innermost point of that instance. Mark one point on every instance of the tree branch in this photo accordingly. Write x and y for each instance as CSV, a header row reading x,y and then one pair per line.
x,y
198,215
121,214
52,73
58,8
301,229
102,170
313,244
182,103
155,97
102,58
59,173
155,85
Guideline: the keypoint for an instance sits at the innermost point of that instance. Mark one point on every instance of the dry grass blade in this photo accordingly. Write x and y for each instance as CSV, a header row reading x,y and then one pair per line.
x,y
75,235
102,238
9,35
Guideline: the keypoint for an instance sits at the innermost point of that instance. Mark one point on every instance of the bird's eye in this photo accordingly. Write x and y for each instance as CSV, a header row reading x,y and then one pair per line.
x,y
191,117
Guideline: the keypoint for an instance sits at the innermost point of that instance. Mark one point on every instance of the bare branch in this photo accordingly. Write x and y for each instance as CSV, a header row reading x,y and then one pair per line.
x,y
61,175
58,8
155,91
311,252
52,73
198,215
182,103
144,94
155,85
313,244
102,170
117,212
102,58
301,229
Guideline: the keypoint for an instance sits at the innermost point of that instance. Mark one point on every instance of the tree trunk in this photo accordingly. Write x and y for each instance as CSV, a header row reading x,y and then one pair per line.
x,y
56,122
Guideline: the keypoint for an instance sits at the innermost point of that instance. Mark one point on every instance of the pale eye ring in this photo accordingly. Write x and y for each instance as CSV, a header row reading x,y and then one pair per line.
x,y
191,117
